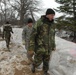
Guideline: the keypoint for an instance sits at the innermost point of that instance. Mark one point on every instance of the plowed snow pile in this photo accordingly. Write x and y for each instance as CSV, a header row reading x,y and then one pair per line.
x,y
63,60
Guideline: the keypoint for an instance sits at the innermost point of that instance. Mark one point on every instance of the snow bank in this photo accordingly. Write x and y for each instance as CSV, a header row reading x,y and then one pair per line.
x,y
63,60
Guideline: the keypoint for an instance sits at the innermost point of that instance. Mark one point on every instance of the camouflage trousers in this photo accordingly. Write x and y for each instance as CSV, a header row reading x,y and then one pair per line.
x,y
7,39
42,57
26,44
26,47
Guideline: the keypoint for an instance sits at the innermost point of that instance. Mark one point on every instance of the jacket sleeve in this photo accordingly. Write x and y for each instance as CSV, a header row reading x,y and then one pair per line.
x,y
53,39
33,36
24,34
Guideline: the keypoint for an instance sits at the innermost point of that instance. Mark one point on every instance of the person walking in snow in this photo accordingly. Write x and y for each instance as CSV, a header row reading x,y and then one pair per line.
x,y
7,30
42,41
26,33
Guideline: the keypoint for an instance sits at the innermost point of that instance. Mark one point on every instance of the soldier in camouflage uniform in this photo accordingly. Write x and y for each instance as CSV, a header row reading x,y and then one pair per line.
x,y
26,33
7,30
42,41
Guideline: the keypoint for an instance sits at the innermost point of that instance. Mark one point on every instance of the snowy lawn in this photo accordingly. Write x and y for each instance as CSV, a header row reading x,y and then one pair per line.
x,y
63,60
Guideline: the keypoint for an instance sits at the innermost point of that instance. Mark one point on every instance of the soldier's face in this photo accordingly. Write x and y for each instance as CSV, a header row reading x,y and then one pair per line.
x,y
30,24
51,16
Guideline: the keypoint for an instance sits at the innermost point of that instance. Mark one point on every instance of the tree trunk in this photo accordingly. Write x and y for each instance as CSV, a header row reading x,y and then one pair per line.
x,y
32,16
22,13
21,19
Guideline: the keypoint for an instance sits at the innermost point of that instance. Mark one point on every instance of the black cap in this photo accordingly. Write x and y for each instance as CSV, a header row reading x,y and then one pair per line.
x,y
30,20
7,22
50,11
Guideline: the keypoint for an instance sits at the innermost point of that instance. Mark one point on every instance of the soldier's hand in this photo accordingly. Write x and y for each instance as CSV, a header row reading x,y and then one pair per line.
x,y
3,37
12,32
30,53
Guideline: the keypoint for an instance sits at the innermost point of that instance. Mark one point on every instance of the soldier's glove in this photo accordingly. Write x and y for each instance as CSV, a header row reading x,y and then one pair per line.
x,y
2,37
30,53
12,32
23,42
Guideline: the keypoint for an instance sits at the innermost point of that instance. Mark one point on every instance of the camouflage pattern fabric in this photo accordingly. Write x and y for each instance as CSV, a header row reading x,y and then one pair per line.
x,y
26,35
42,41
7,30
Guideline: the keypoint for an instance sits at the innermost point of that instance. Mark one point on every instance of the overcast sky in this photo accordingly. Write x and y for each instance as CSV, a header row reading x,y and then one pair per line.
x,y
50,4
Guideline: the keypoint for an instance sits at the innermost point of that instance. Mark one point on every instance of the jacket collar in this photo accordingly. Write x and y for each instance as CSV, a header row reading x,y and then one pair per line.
x,y
46,20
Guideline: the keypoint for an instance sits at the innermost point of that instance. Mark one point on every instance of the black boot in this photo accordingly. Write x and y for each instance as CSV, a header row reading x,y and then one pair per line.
x,y
46,73
8,48
33,68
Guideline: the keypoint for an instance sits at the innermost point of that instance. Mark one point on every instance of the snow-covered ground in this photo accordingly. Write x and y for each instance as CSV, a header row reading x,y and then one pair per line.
x,y
63,60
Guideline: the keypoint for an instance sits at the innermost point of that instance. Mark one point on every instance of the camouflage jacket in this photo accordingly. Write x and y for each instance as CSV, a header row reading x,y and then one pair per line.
x,y
43,35
7,30
26,33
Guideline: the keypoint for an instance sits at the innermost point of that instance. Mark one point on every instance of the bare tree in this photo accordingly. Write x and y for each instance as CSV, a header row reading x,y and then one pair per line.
x,y
18,9
25,7
6,11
